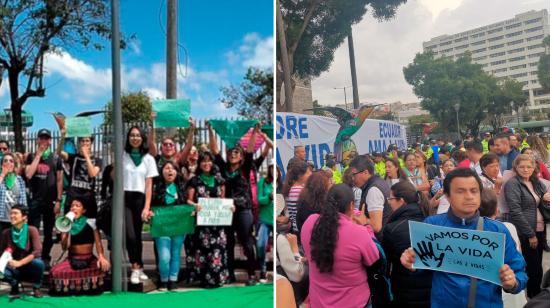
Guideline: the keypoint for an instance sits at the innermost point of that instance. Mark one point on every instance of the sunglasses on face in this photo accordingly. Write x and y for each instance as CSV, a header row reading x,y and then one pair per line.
x,y
3,149
8,160
168,145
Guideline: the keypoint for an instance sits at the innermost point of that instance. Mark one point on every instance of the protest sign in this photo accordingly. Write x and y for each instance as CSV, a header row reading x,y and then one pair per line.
x,y
215,212
172,220
478,254
231,131
78,127
172,112
319,136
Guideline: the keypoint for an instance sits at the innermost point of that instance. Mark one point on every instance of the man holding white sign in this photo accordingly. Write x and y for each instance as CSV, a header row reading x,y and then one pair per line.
x,y
463,189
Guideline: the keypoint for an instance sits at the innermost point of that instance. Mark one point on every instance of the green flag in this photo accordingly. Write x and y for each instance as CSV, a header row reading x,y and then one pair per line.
x,y
78,127
231,131
268,130
172,112
172,220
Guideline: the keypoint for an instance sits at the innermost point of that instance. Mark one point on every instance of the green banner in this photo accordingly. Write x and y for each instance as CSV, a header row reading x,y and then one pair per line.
x,y
172,112
78,126
231,131
172,220
268,130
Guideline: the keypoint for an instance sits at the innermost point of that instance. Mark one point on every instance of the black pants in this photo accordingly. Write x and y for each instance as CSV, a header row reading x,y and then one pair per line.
x,y
533,258
134,202
242,224
43,210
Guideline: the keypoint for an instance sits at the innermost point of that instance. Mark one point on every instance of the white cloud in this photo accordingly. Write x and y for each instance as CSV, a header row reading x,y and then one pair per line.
x,y
135,46
254,51
382,49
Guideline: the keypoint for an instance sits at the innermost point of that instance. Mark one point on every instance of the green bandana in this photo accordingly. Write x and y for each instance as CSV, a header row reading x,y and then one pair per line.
x,y
207,179
136,157
231,131
231,174
20,237
171,194
46,154
78,225
10,180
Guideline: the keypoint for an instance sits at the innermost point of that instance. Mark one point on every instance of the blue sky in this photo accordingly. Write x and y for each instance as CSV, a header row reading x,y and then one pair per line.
x,y
222,38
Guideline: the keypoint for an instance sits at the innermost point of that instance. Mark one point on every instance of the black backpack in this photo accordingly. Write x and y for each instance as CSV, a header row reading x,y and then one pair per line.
x,y
378,275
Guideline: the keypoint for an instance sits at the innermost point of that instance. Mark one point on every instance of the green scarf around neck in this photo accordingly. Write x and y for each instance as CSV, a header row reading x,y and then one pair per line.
x,y
208,179
78,225
136,157
9,180
171,193
21,236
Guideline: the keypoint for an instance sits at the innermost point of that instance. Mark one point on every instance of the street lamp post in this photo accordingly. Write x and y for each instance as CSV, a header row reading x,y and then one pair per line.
x,y
457,107
345,94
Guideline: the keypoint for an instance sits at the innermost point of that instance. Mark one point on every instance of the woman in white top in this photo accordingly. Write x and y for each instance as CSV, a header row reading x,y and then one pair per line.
x,y
139,170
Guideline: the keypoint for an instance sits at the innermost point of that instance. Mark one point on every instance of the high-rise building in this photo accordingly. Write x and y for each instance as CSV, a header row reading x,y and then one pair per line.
x,y
509,48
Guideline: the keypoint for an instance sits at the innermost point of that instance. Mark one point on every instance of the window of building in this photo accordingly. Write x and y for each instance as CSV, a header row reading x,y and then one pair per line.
x,y
516,59
498,54
494,30
479,50
461,47
535,46
514,34
498,62
462,39
445,43
496,46
533,29
516,67
513,26
518,75
538,37
479,58
533,64
500,70
496,38
536,55
481,34
515,42
516,50
533,81
478,43
533,73
532,21
447,50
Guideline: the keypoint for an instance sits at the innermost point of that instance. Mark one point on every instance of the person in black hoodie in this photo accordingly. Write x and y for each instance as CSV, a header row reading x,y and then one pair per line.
x,y
410,289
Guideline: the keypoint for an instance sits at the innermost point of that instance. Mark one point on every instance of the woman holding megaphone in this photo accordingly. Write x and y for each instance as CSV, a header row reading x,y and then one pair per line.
x,y
81,272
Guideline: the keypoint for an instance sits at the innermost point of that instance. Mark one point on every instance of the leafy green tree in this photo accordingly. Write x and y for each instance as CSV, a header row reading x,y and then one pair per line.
x,y
442,84
29,29
543,69
253,98
136,108
314,29
508,92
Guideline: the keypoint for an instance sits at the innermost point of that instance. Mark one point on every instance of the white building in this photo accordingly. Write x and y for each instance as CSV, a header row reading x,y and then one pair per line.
x,y
510,48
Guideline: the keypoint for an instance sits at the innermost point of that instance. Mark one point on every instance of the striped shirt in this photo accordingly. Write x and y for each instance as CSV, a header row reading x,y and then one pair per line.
x,y
291,204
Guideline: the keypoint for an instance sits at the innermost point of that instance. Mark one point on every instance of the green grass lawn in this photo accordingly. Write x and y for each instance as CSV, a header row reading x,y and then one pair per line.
x,y
257,296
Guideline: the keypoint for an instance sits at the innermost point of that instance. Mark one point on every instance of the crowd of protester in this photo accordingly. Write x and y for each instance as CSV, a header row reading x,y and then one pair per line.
x,y
42,185
338,222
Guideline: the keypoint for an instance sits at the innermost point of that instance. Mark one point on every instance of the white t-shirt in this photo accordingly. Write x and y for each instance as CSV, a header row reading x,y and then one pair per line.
x,y
134,176
375,200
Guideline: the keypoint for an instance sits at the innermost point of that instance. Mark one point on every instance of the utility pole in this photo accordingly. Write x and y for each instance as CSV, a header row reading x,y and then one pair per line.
x,y
353,71
172,54
118,197
284,59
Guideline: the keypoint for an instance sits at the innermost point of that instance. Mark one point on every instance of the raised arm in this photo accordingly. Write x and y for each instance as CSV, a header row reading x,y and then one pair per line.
x,y
64,155
212,140
188,142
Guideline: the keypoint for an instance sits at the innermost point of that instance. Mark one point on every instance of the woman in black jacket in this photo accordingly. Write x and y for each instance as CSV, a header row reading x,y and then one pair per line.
x,y
410,289
523,194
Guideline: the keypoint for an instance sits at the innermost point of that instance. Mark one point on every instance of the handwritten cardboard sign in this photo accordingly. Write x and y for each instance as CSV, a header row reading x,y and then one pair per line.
x,y
215,212
478,254
172,220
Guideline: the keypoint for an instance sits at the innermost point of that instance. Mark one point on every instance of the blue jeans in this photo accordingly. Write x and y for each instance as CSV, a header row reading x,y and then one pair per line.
x,y
31,272
261,244
169,251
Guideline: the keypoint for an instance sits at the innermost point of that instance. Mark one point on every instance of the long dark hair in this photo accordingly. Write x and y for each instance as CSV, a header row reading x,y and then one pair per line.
x,y
159,190
400,173
202,157
314,193
143,148
325,232
405,190
298,169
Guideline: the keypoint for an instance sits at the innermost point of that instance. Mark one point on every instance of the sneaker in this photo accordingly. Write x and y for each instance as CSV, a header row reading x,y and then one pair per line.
x,y
36,292
142,275
134,277
172,285
14,292
251,282
163,287
263,277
